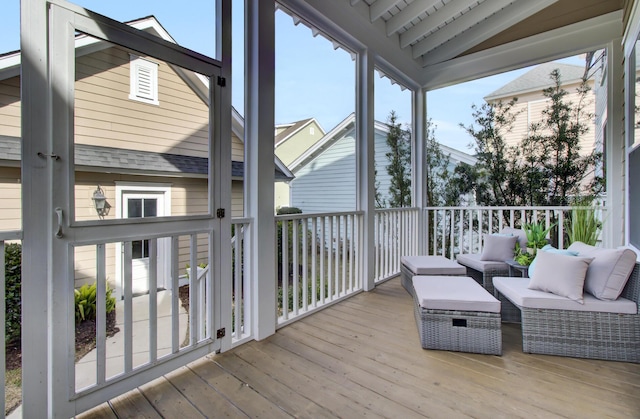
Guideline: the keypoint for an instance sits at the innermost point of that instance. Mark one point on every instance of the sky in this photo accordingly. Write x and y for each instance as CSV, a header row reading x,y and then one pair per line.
x,y
312,78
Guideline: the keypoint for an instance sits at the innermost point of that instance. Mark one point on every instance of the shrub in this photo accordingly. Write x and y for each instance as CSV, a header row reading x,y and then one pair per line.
x,y
85,302
288,210
13,300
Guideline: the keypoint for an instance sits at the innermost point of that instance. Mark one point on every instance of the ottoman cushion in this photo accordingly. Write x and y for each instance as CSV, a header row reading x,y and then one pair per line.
x,y
433,265
473,261
453,293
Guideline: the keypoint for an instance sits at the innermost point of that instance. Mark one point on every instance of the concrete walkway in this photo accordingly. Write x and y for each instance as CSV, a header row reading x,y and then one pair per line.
x,y
86,367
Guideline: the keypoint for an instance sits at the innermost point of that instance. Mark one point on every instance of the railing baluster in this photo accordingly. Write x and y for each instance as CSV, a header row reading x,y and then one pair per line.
x,y
153,300
128,308
101,314
175,297
193,289
305,264
296,276
322,261
285,269
314,261
330,259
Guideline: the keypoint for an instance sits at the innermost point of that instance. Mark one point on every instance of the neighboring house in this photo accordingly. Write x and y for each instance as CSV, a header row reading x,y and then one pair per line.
x,y
291,141
531,102
325,175
141,138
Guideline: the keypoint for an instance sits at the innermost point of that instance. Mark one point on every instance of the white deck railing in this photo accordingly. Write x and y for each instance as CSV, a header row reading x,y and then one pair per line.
x,y
453,230
396,234
241,330
318,262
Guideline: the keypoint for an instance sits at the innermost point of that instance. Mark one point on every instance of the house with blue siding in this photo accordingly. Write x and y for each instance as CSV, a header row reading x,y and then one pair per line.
x,y
325,175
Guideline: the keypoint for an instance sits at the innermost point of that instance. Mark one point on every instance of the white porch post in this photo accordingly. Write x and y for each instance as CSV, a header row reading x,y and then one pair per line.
x,y
259,160
615,145
36,206
418,181
365,163
221,158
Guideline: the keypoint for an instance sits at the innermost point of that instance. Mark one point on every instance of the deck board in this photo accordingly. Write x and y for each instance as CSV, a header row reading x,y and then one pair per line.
x,y
362,357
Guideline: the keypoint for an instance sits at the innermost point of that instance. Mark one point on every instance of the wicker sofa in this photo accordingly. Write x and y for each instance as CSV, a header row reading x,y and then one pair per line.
x,y
554,325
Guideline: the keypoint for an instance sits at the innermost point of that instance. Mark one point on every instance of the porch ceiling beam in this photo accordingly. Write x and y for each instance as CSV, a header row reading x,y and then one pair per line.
x,y
409,13
431,22
559,43
380,7
352,27
491,26
464,22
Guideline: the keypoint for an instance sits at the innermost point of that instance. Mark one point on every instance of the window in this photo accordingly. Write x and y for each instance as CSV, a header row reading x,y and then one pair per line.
x,y
144,80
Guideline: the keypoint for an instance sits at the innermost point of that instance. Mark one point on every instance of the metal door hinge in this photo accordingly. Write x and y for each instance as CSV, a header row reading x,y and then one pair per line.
x,y
222,82
220,333
220,213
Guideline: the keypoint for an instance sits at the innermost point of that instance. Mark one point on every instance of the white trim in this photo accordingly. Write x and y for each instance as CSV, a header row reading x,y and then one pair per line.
x,y
555,44
632,30
143,80
142,188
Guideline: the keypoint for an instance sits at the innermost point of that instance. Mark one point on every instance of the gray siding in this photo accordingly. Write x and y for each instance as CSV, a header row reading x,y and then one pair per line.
x,y
328,182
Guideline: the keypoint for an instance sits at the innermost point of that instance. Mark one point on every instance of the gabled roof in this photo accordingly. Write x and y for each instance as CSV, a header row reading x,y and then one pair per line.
x,y
10,67
537,79
347,125
292,128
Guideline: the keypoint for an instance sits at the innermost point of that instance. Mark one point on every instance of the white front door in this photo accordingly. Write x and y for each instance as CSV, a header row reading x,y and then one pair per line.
x,y
142,205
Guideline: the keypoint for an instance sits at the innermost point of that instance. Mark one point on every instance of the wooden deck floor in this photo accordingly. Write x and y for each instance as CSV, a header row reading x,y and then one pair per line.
x,y
362,357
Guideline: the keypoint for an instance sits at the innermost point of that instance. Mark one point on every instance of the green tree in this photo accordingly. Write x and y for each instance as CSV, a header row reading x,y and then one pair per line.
x,y
554,146
399,167
443,185
499,178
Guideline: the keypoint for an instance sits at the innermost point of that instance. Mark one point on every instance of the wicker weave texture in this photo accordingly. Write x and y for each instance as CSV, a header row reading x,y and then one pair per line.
x,y
481,333
509,311
585,334
485,278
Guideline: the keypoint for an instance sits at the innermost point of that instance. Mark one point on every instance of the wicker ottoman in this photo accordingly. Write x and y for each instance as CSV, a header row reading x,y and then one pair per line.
x,y
427,265
457,314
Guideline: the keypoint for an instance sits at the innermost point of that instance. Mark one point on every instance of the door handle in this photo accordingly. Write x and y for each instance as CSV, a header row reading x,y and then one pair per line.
x,y
59,215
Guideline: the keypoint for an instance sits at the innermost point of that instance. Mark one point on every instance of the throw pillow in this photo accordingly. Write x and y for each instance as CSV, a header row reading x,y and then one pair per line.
x,y
609,272
549,248
498,247
561,275
519,233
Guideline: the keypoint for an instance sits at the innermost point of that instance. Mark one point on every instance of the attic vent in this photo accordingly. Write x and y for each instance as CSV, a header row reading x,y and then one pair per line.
x,y
144,80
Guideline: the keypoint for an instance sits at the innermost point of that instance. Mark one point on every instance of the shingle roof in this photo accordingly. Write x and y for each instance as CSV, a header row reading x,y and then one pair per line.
x,y
131,160
538,79
290,130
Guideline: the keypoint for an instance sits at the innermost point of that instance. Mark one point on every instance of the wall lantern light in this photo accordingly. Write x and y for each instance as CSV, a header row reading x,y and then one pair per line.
x,y
100,202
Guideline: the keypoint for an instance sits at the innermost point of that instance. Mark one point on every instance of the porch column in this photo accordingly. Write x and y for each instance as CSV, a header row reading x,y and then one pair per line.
x,y
259,160
418,181
615,145
36,211
365,162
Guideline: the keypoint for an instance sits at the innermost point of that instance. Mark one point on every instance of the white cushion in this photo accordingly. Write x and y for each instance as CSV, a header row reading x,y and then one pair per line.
x,y
609,272
517,291
453,293
549,248
473,261
519,233
498,248
560,274
433,265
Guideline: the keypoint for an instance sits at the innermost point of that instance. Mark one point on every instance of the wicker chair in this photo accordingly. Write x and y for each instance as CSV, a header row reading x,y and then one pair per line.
x,y
483,271
581,334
